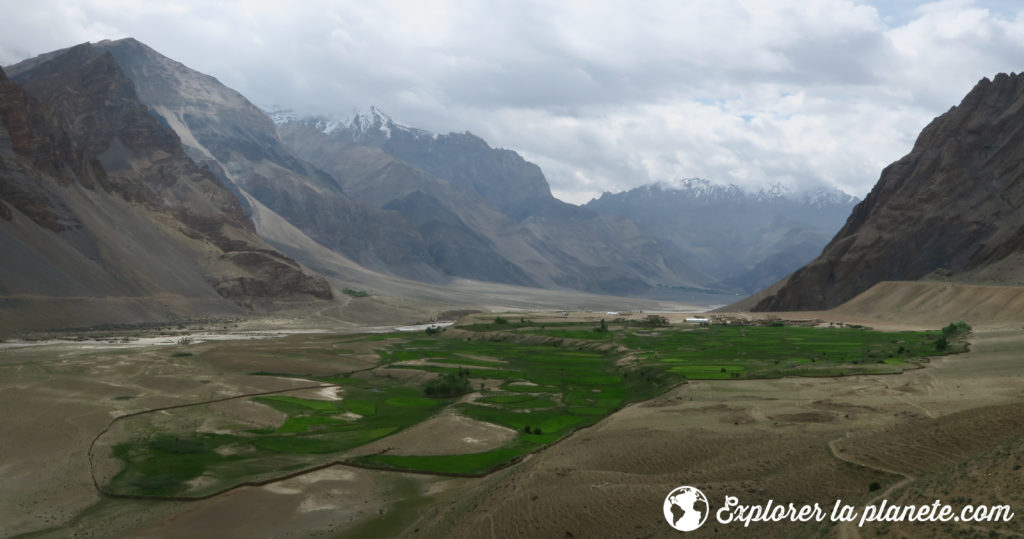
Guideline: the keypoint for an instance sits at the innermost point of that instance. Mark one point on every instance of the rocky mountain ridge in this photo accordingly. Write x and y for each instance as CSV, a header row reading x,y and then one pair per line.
x,y
483,212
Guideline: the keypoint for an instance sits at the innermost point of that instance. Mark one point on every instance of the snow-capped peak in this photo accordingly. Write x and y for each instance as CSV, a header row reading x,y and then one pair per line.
x,y
373,119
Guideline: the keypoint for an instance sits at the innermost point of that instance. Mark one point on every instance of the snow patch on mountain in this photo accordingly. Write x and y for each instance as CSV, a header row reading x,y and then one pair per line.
x,y
360,126
824,197
699,189
280,115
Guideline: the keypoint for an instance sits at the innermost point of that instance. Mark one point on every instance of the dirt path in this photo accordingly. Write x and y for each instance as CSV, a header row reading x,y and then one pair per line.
x,y
850,530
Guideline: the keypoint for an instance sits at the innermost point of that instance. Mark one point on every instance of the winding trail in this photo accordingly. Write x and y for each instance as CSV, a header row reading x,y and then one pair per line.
x,y
850,530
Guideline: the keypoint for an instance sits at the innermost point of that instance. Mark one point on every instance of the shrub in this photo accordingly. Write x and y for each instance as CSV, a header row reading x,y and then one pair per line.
x,y
356,293
499,320
875,485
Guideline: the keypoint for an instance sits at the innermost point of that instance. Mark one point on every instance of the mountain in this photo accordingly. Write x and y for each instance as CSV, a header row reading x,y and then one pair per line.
x,y
221,130
950,209
395,199
500,177
100,201
750,239
483,212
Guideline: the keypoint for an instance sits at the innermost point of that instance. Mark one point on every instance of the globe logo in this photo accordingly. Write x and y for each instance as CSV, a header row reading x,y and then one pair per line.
x,y
686,509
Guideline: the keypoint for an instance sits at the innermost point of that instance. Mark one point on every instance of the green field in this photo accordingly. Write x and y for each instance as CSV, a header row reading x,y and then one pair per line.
x,y
162,464
543,382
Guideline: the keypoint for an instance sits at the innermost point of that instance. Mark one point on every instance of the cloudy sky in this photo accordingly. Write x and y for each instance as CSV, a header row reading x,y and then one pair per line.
x,y
602,95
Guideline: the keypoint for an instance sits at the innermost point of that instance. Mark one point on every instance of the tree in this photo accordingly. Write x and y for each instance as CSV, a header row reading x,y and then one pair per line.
x,y
956,329
603,328
450,384
655,320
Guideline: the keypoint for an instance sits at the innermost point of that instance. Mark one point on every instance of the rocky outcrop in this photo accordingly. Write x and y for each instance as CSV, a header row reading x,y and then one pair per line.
x,y
951,208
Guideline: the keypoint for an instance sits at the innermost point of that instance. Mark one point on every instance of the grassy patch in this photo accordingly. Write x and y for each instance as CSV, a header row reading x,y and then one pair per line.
x,y
723,352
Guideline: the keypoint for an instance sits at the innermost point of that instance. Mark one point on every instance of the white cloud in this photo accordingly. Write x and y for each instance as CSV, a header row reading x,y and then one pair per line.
x,y
602,95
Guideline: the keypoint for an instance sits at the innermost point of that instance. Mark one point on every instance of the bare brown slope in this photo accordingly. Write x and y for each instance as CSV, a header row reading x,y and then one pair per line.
x,y
950,207
936,304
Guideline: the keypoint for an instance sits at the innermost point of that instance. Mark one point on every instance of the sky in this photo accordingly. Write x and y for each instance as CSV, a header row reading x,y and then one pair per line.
x,y
603,95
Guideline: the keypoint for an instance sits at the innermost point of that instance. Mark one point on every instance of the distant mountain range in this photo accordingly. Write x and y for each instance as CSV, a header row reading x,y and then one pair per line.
x,y
129,175
483,213
950,209
429,208
748,239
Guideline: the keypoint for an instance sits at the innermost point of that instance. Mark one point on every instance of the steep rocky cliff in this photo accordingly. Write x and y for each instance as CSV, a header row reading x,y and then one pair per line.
x,y
951,208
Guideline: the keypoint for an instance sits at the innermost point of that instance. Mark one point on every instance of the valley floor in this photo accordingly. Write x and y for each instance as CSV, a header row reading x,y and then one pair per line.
x,y
951,431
